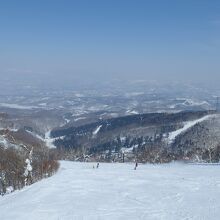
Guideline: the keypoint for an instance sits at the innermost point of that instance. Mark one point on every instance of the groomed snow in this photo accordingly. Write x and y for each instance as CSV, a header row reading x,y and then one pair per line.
x,y
117,191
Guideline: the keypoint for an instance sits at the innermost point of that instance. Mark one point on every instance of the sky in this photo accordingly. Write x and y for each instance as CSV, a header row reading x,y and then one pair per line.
x,y
110,39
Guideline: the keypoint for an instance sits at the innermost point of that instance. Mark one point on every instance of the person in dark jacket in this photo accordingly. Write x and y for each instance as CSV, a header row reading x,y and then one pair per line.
x,y
136,165
97,166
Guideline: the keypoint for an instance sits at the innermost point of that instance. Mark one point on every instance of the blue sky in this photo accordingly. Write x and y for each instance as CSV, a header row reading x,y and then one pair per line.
x,y
155,39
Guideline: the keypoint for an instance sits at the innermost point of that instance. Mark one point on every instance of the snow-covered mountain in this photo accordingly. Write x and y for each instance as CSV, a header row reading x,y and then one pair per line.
x,y
153,137
119,121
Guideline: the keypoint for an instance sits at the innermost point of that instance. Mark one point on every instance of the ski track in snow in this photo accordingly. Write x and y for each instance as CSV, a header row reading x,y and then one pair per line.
x,y
47,139
187,125
117,191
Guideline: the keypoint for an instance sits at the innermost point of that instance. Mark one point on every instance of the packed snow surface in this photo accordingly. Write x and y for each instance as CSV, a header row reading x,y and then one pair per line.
x,y
117,191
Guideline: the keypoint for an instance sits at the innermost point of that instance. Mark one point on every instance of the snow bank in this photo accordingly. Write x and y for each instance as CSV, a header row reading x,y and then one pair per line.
x,y
9,189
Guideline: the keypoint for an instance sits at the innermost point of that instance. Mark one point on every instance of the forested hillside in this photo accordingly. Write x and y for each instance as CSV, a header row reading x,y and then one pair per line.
x,y
23,161
153,137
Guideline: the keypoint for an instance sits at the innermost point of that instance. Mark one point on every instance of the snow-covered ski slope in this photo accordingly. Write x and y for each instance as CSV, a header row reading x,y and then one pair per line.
x,y
187,125
117,191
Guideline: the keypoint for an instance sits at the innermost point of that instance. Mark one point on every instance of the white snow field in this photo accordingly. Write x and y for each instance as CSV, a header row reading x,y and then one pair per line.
x,y
117,191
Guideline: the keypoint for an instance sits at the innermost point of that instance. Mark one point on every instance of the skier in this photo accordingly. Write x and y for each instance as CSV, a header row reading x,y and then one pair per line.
x,y
136,165
97,165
